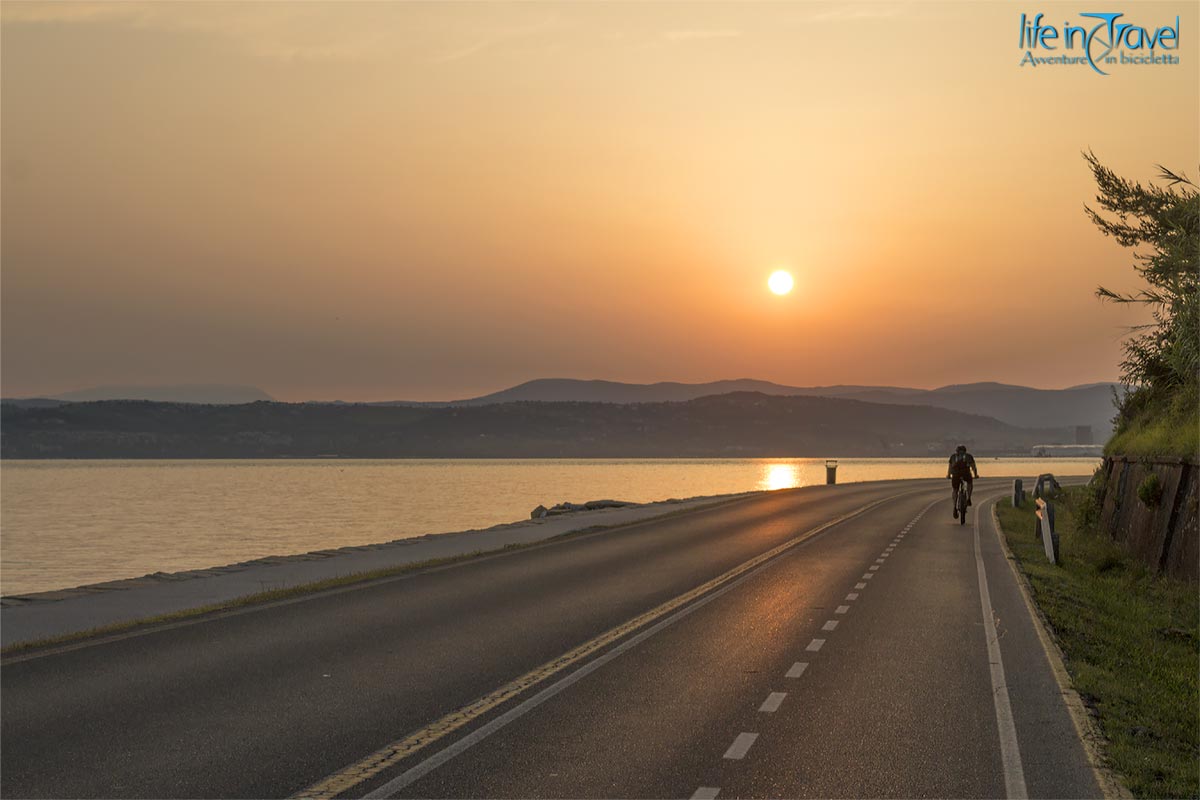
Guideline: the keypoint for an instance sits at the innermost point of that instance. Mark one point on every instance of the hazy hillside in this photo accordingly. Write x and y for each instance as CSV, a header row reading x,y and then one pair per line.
x,y
733,425
32,402
594,391
1016,405
181,393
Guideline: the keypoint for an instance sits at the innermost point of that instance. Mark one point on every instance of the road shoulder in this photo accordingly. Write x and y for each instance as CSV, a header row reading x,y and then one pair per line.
x,y
1058,754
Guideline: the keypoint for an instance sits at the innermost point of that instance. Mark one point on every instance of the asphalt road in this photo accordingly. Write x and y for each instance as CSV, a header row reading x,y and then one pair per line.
x,y
702,692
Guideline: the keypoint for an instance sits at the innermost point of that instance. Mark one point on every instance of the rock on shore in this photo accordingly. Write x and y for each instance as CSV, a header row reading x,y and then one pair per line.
x,y
568,508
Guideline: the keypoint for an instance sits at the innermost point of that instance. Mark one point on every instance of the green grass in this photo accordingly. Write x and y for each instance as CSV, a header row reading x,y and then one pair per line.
x,y
1131,646
1175,432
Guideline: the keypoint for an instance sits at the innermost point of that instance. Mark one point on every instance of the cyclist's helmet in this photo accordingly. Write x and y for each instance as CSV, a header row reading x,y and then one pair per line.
x,y
962,448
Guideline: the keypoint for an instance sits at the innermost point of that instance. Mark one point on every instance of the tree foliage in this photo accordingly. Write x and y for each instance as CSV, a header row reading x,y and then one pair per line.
x,y
1162,225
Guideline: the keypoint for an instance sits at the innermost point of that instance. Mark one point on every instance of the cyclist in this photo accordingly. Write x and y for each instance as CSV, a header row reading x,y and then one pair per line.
x,y
962,464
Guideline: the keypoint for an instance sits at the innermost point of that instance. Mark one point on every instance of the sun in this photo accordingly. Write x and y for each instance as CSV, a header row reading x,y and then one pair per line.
x,y
780,282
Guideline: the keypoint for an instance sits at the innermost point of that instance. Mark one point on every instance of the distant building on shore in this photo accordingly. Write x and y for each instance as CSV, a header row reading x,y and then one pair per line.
x,y
1067,450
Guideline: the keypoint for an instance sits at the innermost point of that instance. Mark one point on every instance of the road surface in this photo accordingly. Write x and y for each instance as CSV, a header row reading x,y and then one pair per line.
x,y
847,641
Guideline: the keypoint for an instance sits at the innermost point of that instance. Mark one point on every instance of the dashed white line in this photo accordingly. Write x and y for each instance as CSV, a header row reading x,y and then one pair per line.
x,y
772,703
873,567
797,669
815,645
881,559
841,609
852,596
868,575
830,625
741,745
860,586
706,793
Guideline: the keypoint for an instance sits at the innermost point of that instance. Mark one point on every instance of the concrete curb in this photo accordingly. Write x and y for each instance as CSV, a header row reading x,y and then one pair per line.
x,y
63,616
661,508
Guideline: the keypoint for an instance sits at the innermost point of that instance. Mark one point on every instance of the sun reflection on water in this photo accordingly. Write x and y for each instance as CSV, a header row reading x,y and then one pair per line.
x,y
779,476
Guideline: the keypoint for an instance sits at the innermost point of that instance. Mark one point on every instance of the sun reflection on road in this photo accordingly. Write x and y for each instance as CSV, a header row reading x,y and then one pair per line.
x,y
779,476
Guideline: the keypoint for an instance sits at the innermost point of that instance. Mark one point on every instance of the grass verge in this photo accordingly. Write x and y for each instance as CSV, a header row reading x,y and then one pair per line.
x,y
1130,641
1173,431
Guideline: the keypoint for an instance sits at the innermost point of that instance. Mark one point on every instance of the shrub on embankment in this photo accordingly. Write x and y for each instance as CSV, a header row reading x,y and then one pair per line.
x,y
1146,493
1162,358
1129,637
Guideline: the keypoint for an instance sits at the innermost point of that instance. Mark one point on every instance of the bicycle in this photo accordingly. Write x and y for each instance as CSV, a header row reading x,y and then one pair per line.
x,y
961,499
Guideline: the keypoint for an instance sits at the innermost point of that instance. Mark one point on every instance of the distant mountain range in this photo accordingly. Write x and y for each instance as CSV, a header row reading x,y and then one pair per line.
x,y
1091,404
214,393
738,424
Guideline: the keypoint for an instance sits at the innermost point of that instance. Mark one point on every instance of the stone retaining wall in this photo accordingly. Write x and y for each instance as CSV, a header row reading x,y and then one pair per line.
x,y
1166,534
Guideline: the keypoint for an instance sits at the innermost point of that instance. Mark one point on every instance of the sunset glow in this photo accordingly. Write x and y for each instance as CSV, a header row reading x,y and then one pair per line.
x,y
780,282
432,201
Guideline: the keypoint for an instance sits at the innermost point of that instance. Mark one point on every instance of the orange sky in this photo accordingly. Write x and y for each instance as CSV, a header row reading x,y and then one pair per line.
x,y
410,200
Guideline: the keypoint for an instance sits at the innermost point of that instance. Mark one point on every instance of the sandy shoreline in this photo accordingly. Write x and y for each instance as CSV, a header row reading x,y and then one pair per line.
x,y
41,615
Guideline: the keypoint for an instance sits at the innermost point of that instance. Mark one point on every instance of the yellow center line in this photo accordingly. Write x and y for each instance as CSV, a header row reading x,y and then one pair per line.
x,y
395,752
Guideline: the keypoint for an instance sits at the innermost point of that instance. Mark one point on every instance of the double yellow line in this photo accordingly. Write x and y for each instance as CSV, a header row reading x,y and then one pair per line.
x,y
392,754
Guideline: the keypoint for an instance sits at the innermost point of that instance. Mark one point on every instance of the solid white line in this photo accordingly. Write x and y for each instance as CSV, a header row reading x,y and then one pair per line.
x,y
830,625
797,669
815,645
1085,728
841,609
741,745
1010,752
860,586
852,596
706,793
773,702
